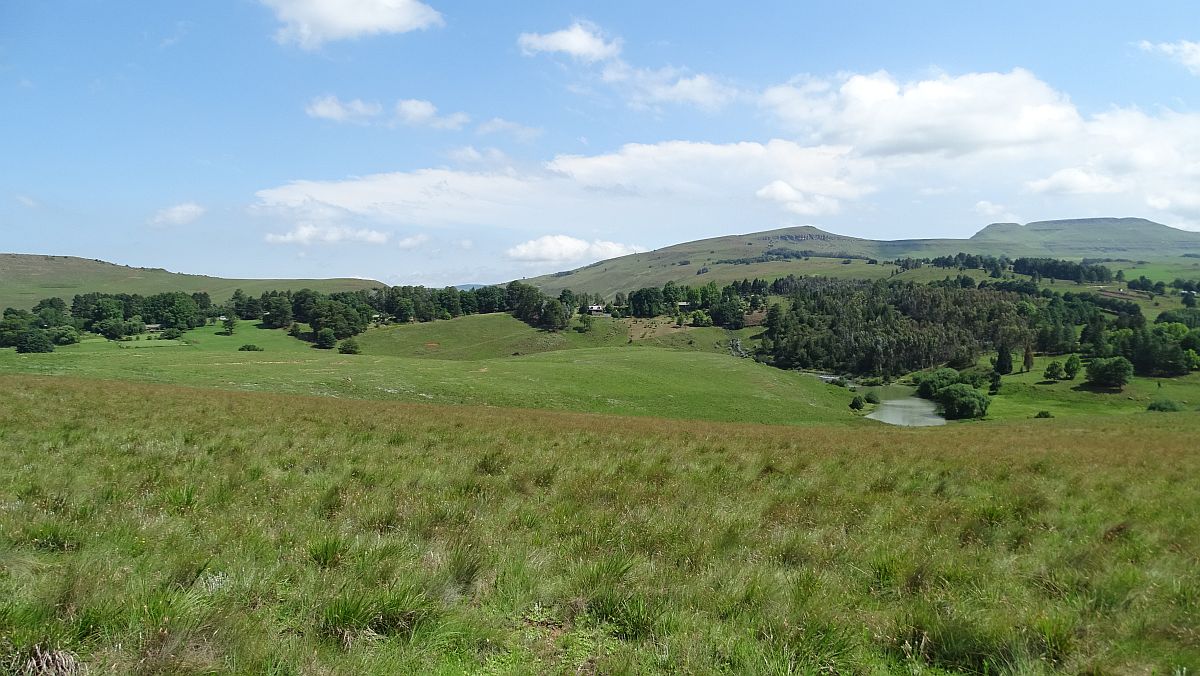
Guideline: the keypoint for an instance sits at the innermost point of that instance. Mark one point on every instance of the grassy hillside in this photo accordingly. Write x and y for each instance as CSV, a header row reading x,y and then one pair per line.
x,y
26,278
1137,239
160,529
629,380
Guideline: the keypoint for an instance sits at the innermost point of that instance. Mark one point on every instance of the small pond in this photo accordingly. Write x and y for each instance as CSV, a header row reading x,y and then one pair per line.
x,y
899,405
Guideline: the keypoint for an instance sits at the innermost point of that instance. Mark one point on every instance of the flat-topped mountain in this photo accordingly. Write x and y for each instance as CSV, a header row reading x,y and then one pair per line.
x,y
775,253
27,278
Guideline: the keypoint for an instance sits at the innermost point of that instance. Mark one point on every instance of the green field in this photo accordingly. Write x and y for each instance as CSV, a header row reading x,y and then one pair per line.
x,y
631,379
25,279
158,529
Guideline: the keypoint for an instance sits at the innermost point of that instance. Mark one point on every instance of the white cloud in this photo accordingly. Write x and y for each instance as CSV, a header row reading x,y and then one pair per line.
x,y
642,87
639,186
412,242
499,125
420,113
989,208
26,201
180,214
804,180
308,233
473,155
946,115
1074,181
996,212
647,87
311,23
566,249
1184,52
581,40
332,108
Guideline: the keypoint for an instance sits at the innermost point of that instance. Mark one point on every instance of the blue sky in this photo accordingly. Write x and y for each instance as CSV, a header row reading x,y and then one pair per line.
x,y
445,142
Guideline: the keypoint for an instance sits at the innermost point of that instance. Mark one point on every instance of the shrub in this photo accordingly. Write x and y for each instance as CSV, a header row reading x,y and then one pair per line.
x,y
1054,371
326,340
1112,372
1071,368
1044,414
929,384
171,334
857,403
872,398
1163,405
961,401
63,335
34,340
250,348
348,346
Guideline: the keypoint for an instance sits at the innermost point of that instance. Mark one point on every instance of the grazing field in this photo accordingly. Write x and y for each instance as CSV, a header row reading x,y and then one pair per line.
x,y
629,380
486,336
161,529
26,278
1023,395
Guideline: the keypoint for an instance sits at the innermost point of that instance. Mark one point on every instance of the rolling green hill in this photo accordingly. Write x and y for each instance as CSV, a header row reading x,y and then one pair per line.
x,y
27,278
699,262
632,379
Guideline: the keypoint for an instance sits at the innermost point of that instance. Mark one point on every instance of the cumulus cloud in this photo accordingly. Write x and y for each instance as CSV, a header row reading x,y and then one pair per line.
x,y
1184,52
949,132
581,40
953,116
803,180
640,185
308,233
642,87
412,242
473,155
646,87
499,125
311,23
332,108
421,113
1074,181
180,214
567,249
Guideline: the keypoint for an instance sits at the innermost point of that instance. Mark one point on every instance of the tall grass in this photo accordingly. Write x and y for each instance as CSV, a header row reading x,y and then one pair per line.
x,y
158,529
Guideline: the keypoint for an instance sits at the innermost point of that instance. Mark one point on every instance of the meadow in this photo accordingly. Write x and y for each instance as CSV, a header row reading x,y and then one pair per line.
x,y
164,529
632,379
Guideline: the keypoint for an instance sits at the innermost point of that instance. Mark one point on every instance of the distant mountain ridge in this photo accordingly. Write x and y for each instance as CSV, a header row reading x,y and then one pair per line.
x,y
737,256
27,278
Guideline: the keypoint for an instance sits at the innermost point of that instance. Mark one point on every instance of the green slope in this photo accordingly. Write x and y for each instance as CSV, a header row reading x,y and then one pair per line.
x,y
27,278
1099,237
627,380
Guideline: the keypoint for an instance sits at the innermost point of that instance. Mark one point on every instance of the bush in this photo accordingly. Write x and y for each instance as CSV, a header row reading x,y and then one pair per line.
x,y
1044,414
857,403
1054,371
872,398
1112,372
250,348
1165,406
171,334
63,335
1071,368
929,384
348,346
326,340
961,401
34,340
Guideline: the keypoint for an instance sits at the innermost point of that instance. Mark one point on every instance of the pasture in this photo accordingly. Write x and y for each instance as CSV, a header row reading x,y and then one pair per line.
x,y
164,529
